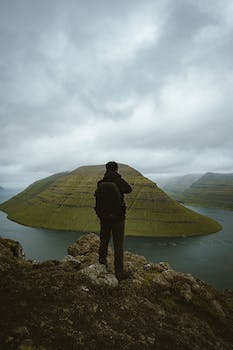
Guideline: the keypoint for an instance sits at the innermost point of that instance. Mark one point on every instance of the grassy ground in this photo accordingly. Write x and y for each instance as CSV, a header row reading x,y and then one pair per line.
x,y
66,201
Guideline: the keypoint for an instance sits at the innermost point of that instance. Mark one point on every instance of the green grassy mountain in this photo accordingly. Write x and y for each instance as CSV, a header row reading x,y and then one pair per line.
x,y
65,201
175,186
212,189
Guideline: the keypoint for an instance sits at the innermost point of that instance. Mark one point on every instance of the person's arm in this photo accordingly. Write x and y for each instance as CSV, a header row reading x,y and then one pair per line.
x,y
125,187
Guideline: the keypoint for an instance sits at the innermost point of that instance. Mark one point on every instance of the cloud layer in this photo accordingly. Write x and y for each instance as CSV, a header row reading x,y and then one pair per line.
x,y
144,83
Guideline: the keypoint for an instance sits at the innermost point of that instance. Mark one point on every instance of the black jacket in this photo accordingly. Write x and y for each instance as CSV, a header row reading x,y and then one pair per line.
x,y
113,176
124,187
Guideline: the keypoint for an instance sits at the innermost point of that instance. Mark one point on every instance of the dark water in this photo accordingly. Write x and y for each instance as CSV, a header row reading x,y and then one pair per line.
x,y
38,244
207,257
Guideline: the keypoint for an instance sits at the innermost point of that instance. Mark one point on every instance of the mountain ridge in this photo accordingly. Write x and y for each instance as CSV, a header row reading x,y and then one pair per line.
x,y
212,189
66,201
177,185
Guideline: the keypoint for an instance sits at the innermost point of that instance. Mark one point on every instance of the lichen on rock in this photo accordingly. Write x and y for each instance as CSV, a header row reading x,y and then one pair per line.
x,y
97,274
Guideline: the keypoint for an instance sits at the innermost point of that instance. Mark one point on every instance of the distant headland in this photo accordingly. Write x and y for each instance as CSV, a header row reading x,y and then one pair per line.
x,y
211,189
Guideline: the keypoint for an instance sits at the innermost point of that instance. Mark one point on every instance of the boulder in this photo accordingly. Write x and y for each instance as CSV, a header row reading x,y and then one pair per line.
x,y
11,247
98,275
71,261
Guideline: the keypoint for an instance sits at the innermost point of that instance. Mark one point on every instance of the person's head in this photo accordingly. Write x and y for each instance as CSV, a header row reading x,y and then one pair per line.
x,y
111,166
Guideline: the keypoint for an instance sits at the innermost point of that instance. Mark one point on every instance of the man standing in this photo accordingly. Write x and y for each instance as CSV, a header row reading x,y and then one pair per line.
x,y
110,208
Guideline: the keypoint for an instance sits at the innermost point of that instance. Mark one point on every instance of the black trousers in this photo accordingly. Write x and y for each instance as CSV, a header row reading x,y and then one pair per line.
x,y
116,228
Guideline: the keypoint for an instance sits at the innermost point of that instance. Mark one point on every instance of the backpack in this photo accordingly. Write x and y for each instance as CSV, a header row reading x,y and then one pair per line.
x,y
109,201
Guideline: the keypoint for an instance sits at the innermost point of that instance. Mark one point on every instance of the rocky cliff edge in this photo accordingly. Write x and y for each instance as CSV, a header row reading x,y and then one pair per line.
x,y
77,303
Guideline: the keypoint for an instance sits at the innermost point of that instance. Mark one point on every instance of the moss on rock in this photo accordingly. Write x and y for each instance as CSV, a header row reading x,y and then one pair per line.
x,y
55,305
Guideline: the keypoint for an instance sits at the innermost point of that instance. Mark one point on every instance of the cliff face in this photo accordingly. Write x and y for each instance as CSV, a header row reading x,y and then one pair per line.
x,y
77,304
212,189
66,202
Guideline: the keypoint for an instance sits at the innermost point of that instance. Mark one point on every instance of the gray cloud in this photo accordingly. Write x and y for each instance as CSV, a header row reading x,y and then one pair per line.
x,y
145,83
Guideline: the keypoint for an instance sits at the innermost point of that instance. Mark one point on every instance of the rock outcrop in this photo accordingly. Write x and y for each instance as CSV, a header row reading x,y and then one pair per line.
x,y
77,303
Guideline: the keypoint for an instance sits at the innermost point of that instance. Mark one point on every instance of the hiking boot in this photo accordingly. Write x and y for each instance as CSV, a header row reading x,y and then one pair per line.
x,y
123,275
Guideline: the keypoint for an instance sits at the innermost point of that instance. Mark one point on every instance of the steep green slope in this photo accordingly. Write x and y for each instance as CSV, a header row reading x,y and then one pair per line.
x,y
175,186
66,202
212,189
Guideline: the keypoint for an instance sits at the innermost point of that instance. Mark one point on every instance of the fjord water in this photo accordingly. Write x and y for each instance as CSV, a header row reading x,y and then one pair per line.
x,y
207,257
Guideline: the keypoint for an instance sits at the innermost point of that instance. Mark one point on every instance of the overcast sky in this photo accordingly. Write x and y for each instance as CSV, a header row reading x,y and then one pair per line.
x,y
147,83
